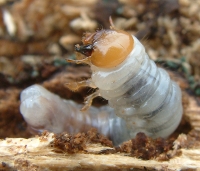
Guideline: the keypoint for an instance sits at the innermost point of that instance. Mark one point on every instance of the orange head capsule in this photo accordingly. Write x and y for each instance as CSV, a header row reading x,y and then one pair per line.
x,y
106,48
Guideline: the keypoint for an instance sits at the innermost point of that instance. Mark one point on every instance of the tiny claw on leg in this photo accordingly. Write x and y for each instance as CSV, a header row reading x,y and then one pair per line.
x,y
88,100
85,60
74,86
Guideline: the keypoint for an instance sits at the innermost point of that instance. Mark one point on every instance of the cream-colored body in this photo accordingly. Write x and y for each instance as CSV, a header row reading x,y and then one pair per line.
x,y
43,110
141,93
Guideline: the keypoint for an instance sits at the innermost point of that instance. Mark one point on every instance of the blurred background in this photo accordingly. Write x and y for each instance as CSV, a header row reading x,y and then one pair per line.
x,y
36,37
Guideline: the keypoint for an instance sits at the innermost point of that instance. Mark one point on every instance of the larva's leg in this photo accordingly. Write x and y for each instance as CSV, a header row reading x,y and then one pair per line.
x,y
74,86
80,59
88,100
86,61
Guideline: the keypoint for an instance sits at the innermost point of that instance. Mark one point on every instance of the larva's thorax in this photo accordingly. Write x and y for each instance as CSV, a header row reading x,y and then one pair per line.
x,y
112,78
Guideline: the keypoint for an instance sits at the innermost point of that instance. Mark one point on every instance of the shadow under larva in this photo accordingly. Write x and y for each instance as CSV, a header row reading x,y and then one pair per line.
x,y
141,96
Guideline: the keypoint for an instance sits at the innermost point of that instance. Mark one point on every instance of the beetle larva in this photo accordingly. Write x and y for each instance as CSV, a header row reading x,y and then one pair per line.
x,y
140,92
142,95
43,110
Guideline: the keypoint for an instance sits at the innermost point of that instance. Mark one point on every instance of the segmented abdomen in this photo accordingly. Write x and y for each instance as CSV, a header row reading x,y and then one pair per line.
x,y
142,94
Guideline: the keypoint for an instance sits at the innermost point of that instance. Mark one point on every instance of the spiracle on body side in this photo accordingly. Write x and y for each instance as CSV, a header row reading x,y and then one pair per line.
x,y
141,96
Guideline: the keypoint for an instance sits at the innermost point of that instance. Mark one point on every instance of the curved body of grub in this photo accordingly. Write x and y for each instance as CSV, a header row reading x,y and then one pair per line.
x,y
43,110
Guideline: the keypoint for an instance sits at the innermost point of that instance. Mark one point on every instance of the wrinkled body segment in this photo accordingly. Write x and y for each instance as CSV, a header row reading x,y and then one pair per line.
x,y
43,110
141,93
142,97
